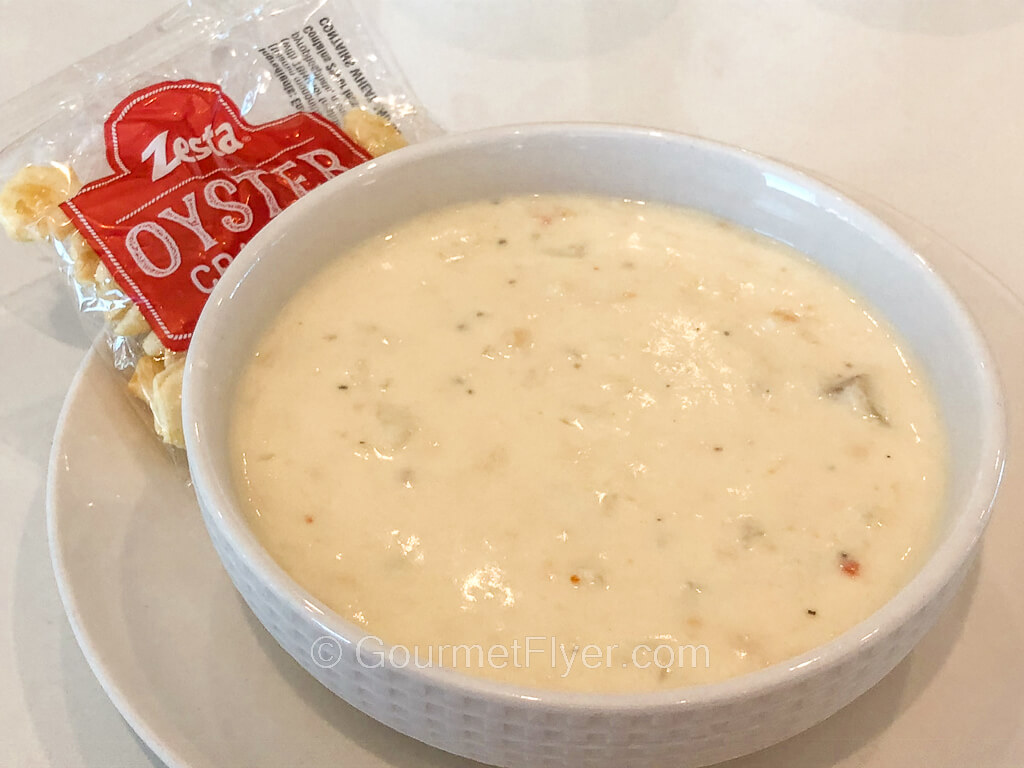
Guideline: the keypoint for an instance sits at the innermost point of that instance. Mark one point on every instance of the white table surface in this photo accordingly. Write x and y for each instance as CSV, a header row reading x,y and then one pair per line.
x,y
920,103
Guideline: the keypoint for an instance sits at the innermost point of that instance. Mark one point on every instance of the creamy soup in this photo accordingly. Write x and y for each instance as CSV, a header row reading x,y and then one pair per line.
x,y
587,443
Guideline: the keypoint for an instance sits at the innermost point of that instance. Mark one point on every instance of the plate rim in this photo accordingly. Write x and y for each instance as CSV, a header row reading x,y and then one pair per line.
x,y
122,702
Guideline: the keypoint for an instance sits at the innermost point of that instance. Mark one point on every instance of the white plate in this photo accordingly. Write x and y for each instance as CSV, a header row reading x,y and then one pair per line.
x,y
203,684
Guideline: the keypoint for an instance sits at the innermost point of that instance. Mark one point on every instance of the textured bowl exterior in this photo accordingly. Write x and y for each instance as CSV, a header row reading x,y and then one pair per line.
x,y
509,726
513,732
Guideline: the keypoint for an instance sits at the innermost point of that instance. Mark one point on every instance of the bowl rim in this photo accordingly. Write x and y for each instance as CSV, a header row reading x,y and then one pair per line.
x,y
941,566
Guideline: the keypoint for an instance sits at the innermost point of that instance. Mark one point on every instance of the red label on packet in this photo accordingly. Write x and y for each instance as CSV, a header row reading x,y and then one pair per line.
x,y
192,183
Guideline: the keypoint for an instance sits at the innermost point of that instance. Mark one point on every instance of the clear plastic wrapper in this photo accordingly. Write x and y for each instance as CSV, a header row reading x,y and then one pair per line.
x,y
146,167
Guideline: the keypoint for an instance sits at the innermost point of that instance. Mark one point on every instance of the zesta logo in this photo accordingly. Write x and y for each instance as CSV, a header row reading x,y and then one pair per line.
x,y
168,155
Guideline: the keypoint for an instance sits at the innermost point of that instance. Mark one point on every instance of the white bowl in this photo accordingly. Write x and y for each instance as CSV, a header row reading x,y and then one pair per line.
x,y
509,726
